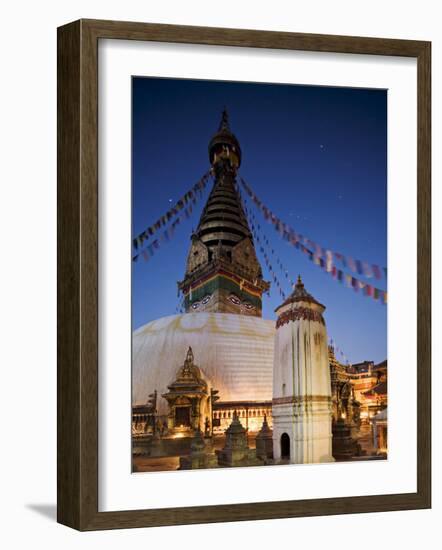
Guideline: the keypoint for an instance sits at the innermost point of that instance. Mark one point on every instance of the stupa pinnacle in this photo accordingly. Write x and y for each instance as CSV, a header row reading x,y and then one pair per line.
x,y
223,273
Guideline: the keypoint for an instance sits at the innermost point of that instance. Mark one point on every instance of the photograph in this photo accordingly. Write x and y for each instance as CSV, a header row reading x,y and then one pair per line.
x,y
224,327
259,274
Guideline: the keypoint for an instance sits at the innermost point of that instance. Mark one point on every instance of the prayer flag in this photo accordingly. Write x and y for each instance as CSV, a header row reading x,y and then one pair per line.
x,y
377,272
329,259
351,263
367,269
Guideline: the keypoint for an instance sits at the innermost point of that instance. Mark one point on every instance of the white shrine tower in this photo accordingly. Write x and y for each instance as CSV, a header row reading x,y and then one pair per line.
x,y
301,405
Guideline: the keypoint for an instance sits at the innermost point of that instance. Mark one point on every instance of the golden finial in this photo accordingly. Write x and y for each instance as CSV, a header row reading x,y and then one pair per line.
x,y
189,357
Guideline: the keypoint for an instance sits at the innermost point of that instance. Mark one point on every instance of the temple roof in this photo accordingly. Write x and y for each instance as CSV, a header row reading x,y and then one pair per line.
x,y
188,378
378,390
300,294
381,366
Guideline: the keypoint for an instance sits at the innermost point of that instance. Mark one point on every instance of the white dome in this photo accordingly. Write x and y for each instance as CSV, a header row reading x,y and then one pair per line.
x,y
234,352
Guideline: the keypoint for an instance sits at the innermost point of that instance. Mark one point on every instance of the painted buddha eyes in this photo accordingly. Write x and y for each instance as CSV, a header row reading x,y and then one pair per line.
x,y
204,301
237,301
233,298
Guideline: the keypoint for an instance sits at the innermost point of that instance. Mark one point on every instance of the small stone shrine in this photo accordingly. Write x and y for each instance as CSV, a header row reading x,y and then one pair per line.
x,y
264,442
344,447
236,452
199,456
188,399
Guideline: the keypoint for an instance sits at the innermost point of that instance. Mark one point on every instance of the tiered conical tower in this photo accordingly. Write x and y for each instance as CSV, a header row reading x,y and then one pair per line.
x,y
223,273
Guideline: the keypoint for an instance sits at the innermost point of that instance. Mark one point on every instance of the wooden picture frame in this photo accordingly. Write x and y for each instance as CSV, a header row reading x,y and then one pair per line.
x,y
78,274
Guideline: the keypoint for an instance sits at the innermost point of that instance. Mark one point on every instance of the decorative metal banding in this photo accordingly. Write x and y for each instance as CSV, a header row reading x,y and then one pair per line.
x,y
301,313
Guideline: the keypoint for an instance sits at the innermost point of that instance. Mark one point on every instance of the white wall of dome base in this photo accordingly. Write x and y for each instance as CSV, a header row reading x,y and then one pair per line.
x,y
307,433
234,353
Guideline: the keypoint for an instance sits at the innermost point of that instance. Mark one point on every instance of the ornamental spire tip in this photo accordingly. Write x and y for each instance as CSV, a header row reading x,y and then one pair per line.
x,y
224,124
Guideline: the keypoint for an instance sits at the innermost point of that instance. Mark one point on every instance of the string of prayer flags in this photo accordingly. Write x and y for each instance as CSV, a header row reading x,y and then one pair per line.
x,y
165,237
191,195
288,233
366,288
347,279
325,264
261,237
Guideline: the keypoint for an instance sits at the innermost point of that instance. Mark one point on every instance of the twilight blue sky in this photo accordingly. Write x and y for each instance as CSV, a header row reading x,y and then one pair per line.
x,y
316,156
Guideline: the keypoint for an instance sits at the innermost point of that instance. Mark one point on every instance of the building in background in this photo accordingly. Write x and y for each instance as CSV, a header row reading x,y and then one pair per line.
x,y
369,383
